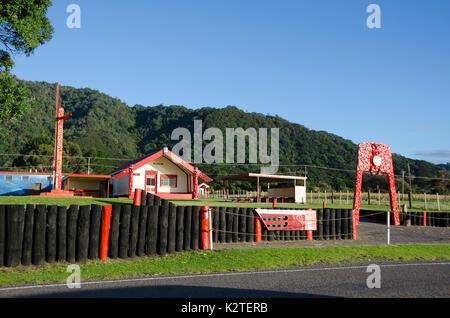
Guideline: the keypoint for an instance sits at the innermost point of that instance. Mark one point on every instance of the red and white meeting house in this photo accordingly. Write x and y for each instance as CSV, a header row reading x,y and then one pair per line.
x,y
162,173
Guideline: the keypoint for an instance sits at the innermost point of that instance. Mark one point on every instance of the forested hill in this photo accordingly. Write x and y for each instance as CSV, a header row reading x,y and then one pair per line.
x,y
105,127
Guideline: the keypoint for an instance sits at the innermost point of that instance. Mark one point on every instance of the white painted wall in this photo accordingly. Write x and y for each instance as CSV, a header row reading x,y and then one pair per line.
x,y
298,193
163,166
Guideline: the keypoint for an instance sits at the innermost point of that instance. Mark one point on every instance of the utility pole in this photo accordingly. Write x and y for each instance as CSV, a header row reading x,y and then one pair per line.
x,y
409,175
403,185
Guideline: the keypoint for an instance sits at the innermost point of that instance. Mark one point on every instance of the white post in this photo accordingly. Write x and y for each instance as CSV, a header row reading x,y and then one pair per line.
x,y
379,197
437,197
425,199
388,227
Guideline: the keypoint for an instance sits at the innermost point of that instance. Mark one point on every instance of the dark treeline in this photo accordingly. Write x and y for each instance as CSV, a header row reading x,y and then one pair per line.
x,y
105,127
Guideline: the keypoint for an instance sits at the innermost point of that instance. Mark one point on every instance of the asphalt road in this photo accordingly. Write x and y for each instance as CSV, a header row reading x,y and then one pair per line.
x,y
410,279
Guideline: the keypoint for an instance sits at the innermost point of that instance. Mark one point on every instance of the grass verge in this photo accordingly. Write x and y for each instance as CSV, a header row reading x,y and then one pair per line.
x,y
61,201
226,260
211,202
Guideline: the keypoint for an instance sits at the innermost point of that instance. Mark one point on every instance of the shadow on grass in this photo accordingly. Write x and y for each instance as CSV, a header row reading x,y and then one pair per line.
x,y
106,202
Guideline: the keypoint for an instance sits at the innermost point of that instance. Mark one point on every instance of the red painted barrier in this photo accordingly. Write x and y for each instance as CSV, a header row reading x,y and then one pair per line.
x,y
324,204
106,222
258,230
424,214
355,218
137,197
274,202
204,227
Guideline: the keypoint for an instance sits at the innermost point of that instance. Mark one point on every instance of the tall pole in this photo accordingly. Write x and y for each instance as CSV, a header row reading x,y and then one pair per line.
x,y
57,160
403,185
195,190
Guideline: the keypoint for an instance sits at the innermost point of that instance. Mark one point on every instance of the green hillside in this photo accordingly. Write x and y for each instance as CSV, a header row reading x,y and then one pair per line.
x,y
105,127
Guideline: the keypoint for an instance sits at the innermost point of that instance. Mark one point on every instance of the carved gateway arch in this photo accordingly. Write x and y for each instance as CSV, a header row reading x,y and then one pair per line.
x,y
375,158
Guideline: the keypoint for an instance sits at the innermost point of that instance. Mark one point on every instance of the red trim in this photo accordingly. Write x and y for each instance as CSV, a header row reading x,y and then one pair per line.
x,y
176,195
64,174
161,176
26,173
151,173
169,155
75,175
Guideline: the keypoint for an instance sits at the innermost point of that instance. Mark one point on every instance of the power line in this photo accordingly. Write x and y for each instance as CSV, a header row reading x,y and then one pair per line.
x,y
218,164
69,157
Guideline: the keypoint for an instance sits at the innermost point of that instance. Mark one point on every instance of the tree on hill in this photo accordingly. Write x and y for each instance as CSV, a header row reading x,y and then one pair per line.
x,y
39,151
23,27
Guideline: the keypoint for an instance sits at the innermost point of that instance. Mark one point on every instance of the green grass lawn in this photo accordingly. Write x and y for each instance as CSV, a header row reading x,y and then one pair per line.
x,y
210,202
60,201
228,203
226,260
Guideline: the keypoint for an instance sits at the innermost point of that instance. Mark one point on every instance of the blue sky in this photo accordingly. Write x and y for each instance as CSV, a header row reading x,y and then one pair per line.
x,y
312,62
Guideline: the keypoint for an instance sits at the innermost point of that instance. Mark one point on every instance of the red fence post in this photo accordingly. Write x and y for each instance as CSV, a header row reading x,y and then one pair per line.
x,y
258,230
309,233
204,221
274,203
137,197
324,204
106,222
424,214
354,217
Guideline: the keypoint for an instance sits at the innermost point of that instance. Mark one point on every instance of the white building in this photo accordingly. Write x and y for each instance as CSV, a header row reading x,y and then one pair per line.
x,y
162,173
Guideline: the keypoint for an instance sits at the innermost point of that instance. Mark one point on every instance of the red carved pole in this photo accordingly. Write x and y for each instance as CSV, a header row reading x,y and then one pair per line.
x,y
195,194
357,195
393,198
57,160
130,183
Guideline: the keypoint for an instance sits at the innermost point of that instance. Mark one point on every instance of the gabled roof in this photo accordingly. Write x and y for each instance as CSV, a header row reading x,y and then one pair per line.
x,y
122,171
